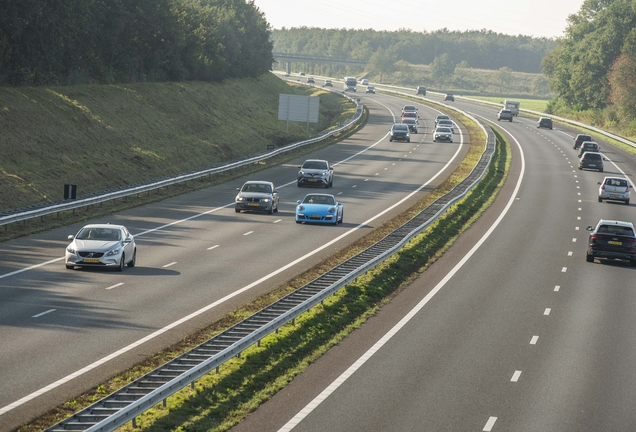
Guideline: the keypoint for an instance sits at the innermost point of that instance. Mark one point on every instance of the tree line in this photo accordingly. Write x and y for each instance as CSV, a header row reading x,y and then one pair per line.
x,y
65,42
594,66
481,49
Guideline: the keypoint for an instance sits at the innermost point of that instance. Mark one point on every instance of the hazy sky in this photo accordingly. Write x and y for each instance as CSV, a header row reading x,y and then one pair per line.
x,y
540,18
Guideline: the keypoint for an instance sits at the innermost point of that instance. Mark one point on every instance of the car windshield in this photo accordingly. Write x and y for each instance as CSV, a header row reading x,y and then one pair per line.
x,y
445,122
409,108
442,117
108,234
616,182
507,112
616,230
443,130
257,187
319,199
318,165
400,128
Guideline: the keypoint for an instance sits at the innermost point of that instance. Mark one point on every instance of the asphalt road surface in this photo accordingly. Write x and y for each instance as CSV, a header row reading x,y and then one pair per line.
x,y
66,331
512,330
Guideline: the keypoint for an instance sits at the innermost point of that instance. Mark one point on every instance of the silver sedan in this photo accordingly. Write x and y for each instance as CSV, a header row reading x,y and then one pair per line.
x,y
257,196
101,245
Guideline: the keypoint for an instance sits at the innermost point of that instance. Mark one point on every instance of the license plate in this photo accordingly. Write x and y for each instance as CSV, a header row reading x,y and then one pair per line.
x,y
613,196
91,260
592,165
315,216
252,204
617,243
313,180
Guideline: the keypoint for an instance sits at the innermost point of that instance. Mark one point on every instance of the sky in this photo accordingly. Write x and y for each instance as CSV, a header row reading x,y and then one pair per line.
x,y
538,18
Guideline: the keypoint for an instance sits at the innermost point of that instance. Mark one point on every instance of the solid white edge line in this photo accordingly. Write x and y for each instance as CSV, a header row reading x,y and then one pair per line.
x,y
151,336
367,355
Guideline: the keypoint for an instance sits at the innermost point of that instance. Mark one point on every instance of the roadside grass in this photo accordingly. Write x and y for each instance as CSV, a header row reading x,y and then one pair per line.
x,y
219,401
530,104
30,172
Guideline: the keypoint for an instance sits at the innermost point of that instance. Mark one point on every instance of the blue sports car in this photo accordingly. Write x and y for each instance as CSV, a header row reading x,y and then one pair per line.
x,y
319,208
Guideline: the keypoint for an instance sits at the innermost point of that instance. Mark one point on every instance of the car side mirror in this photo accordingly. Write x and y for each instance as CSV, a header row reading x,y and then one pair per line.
x,y
299,167
297,201
71,237
589,228
275,191
128,239
238,189
598,183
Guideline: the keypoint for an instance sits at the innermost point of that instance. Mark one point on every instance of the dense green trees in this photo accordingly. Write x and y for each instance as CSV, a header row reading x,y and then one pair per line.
x,y
596,36
105,41
481,49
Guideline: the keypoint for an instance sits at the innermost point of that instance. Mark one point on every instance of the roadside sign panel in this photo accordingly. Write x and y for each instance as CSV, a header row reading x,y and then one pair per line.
x,y
298,108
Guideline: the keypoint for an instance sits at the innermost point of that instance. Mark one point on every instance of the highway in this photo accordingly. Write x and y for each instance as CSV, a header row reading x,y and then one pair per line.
x,y
511,330
64,332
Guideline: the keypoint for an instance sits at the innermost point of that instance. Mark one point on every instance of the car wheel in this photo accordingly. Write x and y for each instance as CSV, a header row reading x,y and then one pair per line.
x,y
297,221
276,208
510,120
236,210
580,168
133,261
451,140
408,140
70,267
589,258
600,199
298,184
433,140
627,202
390,140
120,267
271,209
600,170
342,217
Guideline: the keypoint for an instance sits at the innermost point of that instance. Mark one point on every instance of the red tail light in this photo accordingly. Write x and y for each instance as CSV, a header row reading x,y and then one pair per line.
x,y
603,186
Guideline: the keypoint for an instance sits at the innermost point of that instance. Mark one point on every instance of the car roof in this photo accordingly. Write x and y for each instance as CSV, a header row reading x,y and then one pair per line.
x,y
442,116
102,226
315,160
615,222
259,182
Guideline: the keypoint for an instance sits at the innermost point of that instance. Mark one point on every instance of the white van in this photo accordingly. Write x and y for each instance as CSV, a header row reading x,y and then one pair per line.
x,y
512,106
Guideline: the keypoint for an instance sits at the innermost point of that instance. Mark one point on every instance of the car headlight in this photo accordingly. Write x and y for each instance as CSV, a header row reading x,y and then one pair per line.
x,y
331,209
71,249
240,198
266,200
301,173
300,208
325,174
114,251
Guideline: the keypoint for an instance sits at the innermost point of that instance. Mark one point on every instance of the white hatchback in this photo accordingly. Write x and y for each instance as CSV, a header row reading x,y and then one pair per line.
x,y
614,189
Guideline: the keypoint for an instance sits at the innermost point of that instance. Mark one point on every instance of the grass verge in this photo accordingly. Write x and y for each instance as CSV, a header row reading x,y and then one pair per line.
x,y
219,401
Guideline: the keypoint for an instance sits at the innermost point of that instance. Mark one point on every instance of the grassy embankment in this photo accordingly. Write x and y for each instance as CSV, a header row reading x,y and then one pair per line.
x,y
219,401
103,137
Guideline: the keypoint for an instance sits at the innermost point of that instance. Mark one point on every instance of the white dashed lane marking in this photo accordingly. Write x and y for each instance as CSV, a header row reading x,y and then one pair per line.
x,y
248,233
43,313
557,288
168,265
216,246
547,311
515,376
534,340
115,286
489,424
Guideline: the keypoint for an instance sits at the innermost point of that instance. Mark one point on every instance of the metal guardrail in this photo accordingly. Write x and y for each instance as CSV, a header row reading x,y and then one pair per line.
x,y
35,211
126,404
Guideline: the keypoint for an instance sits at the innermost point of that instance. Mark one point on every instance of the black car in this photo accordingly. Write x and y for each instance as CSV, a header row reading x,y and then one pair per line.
x,y
611,239
591,160
421,91
580,139
311,80
545,122
449,97
400,132
588,146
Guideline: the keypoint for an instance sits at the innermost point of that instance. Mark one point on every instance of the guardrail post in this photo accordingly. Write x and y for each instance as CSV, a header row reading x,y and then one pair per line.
x,y
134,422
192,385
164,403
218,370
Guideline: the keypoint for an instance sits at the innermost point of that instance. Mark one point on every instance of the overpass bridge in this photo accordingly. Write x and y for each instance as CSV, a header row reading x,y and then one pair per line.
x,y
290,58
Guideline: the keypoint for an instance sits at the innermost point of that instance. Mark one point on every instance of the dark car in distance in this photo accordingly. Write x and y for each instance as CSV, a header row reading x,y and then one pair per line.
x,y
545,122
400,132
580,139
588,146
421,90
613,240
449,97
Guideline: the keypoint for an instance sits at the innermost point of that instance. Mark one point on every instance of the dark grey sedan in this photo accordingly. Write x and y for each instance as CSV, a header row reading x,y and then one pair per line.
x,y
257,196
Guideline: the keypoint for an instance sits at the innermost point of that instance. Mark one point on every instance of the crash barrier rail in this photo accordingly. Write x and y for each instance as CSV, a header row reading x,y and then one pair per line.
x,y
35,211
153,388
537,113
